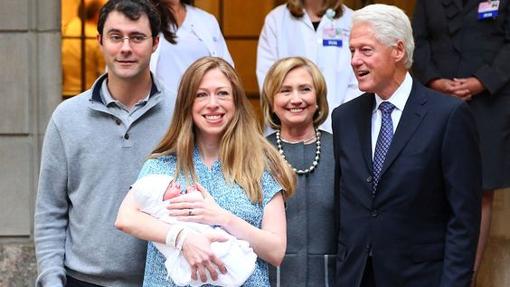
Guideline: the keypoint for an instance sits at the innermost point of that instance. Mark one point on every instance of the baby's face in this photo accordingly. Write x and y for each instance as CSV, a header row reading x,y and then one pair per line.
x,y
173,190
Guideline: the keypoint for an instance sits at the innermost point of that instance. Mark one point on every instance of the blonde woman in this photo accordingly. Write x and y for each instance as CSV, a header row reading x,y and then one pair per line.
x,y
215,143
295,105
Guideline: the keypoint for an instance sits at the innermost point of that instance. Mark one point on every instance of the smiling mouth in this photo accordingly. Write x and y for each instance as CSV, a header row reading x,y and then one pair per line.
x,y
126,62
361,74
213,118
296,110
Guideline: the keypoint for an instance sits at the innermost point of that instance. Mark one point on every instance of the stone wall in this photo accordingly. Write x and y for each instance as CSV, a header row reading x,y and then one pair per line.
x,y
495,268
17,265
30,81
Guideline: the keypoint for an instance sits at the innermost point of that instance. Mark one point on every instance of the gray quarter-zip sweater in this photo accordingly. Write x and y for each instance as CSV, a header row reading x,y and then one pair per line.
x,y
90,157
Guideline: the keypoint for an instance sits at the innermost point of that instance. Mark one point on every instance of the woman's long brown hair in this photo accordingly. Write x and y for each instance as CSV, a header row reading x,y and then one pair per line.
x,y
244,152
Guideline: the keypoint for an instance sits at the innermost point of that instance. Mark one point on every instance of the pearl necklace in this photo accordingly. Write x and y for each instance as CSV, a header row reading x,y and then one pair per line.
x,y
317,153
306,141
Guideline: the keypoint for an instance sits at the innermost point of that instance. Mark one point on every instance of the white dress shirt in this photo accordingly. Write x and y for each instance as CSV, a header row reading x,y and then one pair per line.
x,y
399,100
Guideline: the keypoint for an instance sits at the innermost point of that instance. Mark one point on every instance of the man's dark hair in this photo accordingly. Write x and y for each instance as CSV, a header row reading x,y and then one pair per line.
x,y
132,9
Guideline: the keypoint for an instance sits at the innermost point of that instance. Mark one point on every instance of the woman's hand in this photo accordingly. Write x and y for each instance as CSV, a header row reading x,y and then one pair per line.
x,y
446,86
198,206
197,251
466,88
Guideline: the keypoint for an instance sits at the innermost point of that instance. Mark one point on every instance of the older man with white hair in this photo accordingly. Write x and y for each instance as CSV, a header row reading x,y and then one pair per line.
x,y
408,174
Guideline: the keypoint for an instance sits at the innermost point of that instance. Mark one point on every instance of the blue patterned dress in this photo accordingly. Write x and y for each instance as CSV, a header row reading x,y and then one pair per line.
x,y
229,196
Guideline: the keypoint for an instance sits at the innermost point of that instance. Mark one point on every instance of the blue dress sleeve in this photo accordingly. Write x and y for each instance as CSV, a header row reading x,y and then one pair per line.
x,y
270,187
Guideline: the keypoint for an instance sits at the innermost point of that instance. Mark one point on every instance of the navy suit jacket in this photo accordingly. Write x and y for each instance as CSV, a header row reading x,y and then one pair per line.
x,y
422,224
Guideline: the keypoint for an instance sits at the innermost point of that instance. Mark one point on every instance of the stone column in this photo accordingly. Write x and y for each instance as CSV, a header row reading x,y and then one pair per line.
x,y
494,270
30,88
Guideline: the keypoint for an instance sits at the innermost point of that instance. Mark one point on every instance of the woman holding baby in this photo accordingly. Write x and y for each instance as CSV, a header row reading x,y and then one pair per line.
x,y
214,145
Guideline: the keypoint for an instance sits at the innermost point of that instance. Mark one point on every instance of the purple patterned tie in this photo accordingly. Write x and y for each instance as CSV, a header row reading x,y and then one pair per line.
x,y
383,142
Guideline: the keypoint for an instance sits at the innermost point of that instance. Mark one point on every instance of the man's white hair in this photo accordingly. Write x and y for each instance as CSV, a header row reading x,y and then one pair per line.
x,y
390,24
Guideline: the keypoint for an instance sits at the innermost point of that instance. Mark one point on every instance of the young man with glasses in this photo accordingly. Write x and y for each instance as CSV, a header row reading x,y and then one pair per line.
x,y
94,146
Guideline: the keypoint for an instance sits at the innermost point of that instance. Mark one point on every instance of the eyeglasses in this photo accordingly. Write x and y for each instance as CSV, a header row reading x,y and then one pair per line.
x,y
133,39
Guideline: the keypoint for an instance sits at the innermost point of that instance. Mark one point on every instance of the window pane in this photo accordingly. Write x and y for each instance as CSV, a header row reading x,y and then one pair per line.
x,y
80,68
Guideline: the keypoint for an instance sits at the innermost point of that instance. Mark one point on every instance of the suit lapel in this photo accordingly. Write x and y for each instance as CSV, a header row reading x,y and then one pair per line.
x,y
454,18
364,128
412,115
471,3
451,6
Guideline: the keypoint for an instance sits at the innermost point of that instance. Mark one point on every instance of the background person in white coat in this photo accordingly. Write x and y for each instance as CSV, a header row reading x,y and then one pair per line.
x,y
315,29
188,33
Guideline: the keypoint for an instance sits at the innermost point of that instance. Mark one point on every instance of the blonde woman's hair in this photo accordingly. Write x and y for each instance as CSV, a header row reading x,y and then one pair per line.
x,y
274,81
244,152
296,8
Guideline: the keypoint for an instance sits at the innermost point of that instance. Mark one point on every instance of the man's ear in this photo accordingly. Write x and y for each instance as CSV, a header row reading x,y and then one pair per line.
x,y
99,38
155,43
399,51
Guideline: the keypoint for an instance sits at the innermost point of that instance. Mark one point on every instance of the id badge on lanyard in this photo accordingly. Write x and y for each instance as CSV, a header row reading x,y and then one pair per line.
x,y
488,9
331,36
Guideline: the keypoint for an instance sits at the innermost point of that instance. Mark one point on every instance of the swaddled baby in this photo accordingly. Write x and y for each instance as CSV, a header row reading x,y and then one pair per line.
x,y
151,192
